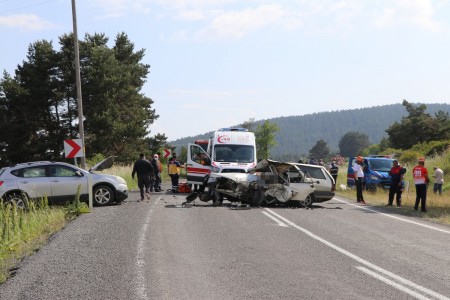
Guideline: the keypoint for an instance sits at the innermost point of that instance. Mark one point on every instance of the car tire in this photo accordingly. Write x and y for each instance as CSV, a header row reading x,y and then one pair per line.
x,y
18,199
217,199
257,197
308,202
371,188
103,195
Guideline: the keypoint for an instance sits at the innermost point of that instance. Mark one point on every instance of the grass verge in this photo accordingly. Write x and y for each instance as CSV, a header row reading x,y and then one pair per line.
x,y
25,231
438,207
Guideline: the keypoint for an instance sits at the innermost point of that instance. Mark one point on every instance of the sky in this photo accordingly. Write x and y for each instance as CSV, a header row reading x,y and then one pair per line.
x,y
219,63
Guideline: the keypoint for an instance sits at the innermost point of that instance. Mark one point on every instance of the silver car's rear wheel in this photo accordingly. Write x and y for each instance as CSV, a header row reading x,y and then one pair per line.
x,y
17,199
103,195
308,202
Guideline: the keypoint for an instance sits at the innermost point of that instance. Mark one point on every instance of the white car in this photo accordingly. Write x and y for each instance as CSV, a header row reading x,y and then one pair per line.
x,y
59,182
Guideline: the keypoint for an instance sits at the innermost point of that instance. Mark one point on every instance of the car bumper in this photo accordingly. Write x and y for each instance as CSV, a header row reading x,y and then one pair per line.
x,y
321,196
121,195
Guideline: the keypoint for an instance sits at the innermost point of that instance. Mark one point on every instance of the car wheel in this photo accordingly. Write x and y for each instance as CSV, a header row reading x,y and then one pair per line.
x,y
371,188
257,197
217,199
308,202
103,195
20,200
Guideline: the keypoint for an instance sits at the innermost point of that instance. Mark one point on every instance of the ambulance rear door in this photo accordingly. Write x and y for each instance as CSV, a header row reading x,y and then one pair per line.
x,y
198,164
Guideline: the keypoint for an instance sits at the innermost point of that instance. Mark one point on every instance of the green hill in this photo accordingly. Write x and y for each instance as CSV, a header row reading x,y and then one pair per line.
x,y
298,134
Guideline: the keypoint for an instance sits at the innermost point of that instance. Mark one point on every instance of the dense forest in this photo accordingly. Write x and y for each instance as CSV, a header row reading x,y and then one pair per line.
x,y
298,134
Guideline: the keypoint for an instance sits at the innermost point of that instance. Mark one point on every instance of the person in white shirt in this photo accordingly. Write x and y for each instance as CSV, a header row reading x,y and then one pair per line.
x,y
438,181
358,169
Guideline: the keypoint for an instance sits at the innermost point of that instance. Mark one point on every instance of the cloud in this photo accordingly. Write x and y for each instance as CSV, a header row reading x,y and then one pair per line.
x,y
235,19
405,12
26,22
237,24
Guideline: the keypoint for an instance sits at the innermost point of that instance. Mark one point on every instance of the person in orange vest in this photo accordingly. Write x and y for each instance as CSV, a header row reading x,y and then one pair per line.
x,y
173,168
421,180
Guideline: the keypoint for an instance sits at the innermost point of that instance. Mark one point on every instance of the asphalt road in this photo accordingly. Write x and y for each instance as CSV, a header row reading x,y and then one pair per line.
x,y
158,249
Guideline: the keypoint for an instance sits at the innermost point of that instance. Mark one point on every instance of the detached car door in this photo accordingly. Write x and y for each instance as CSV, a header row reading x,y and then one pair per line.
x,y
64,181
197,164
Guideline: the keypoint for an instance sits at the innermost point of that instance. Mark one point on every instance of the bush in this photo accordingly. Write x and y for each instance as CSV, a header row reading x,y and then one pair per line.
x,y
431,148
409,156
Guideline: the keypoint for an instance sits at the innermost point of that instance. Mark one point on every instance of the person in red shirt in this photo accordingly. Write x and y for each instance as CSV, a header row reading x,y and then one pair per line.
x,y
421,180
396,186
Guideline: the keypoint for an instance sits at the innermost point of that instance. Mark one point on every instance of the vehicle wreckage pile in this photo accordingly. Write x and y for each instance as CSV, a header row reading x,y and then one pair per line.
x,y
268,183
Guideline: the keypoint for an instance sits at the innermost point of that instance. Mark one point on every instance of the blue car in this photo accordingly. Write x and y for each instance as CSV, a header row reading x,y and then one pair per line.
x,y
376,172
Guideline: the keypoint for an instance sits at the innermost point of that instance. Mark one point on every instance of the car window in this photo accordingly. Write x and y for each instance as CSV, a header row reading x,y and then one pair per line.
x,y
383,165
62,171
313,172
30,172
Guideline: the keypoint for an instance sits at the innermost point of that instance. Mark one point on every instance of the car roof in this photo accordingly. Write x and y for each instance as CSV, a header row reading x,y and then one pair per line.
x,y
308,165
37,163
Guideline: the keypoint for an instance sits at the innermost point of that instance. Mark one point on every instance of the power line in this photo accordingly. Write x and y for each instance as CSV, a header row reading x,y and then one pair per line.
x,y
23,7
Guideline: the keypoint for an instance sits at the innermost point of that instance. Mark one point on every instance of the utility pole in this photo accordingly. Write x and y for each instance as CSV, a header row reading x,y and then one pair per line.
x,y
78,83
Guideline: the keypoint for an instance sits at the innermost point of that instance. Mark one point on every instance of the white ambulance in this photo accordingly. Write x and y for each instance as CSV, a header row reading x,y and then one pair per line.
x,y
229,150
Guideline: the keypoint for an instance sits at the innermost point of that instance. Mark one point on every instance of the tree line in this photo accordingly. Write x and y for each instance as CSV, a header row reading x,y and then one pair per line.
x,y
38,105
416,128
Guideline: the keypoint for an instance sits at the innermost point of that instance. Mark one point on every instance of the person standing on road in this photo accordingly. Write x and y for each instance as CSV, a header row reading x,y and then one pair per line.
x,y
334,169
173,168
396,186
358,169
421,180
438,180
143,169
157,166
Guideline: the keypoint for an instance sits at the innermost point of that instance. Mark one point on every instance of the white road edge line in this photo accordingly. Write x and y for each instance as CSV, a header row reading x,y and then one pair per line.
x,y
140,261
393,284
394,217
361,260
275,219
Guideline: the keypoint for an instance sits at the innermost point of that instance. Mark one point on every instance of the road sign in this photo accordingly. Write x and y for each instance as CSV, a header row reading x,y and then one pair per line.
x,y
73,148
167,153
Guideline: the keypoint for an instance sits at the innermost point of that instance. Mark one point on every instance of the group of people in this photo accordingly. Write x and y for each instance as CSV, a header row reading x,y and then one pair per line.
x,y
148,173
420,177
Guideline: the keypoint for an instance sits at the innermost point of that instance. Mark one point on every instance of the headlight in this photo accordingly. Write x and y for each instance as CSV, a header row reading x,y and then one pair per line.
x,y
215,170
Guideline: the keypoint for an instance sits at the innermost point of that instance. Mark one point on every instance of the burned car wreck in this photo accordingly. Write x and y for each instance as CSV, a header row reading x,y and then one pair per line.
x,y
268,183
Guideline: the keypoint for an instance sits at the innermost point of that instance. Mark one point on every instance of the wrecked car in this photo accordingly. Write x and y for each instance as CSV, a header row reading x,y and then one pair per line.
x,y
265,184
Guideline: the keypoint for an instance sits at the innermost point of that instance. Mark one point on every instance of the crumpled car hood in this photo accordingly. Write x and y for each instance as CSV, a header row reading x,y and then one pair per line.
x,y
265,164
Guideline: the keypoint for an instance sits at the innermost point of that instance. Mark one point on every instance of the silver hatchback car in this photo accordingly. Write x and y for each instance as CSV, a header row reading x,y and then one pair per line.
x,y
59,182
